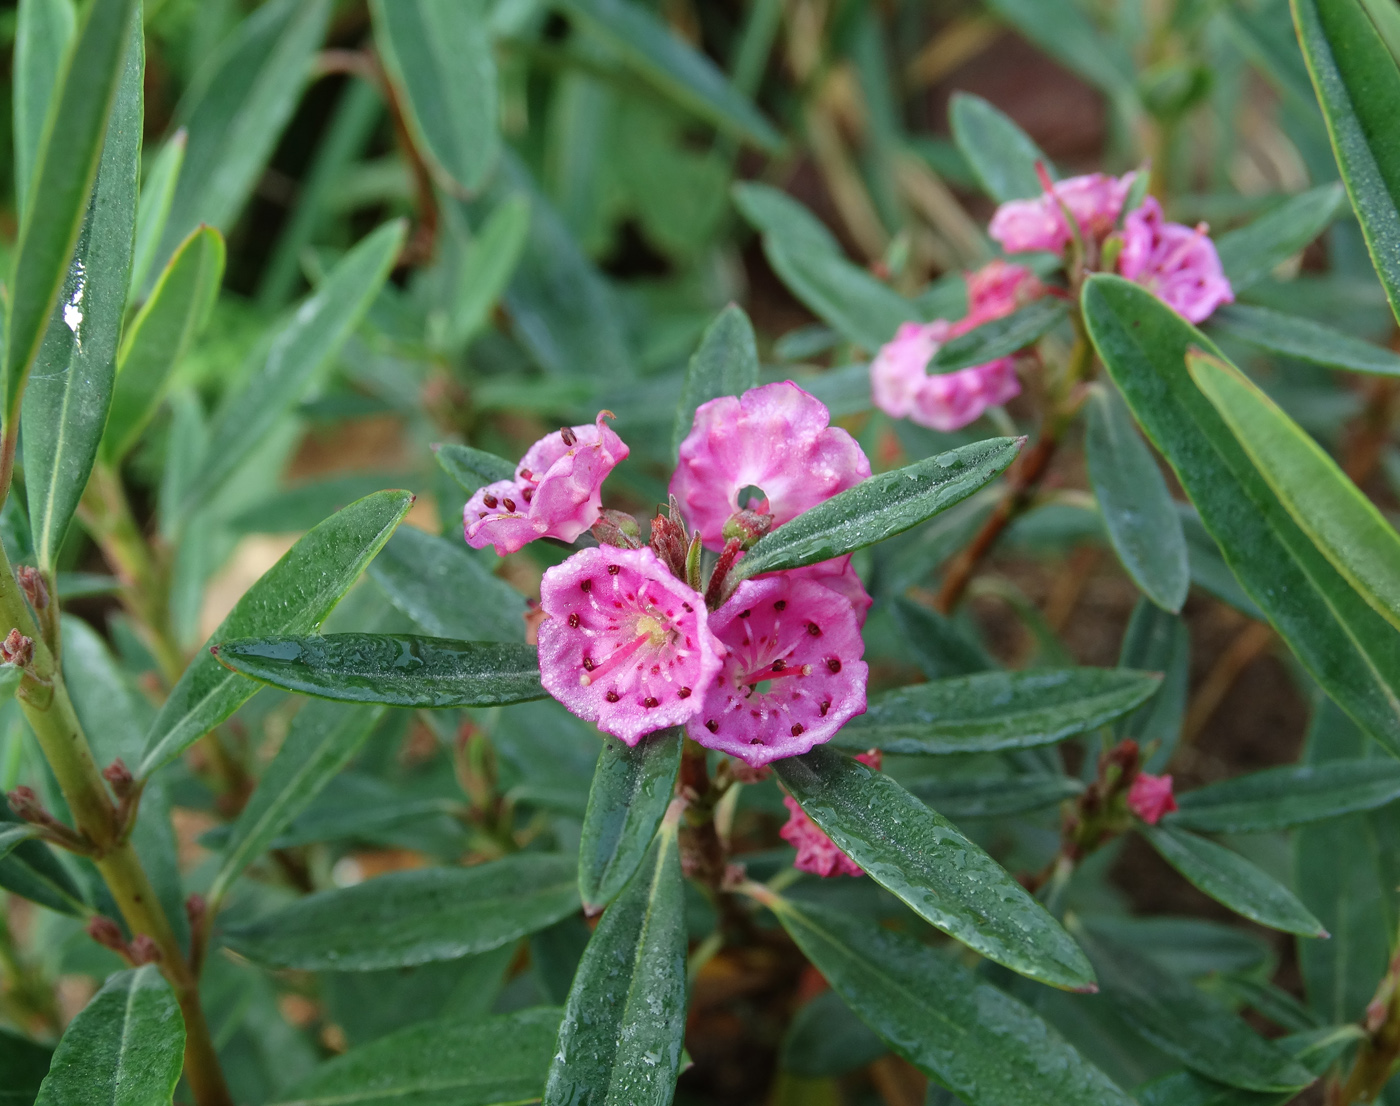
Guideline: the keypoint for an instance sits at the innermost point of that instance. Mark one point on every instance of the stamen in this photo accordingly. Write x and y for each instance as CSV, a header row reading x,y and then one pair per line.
x,y
769,674
618,656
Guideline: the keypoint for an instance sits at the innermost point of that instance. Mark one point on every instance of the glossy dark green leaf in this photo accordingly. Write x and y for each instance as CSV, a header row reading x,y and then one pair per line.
x,y
1230,879
994,796
61,185
498,1061
487,267
631,789
437,54
881,507
1251,253
1358,86
31,870
43,34
939,645
23,1065
1002,156
472,468
126,1048
1351,651
414,917
997,711
446,590
1318,1049
12,836
398,670
1173,1015
293,596
1066,33
920,856
1288,796
1156,641
153,209
1295,336
971,1037
620,1043
726,364
1000,337
158,337
825,1039
1136,506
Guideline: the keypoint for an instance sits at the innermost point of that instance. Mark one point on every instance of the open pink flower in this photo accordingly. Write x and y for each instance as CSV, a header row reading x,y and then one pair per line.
x,y
556,493
838,575
1177,263
996,290
1150,797
626,645
902,388
777,438
791,674
816,852
899,370
1094,200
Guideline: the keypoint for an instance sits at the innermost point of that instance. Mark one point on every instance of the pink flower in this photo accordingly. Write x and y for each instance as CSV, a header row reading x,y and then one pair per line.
x,y
838,575
556,493
996,290
777,438
1150,797
816,852
1177,263
1094,200
791,674
626,645
949,401
897,373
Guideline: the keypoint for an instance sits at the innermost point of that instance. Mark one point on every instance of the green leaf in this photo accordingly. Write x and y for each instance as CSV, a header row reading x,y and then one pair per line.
x,y
446,590
437,54
322,739
1173,1015
414,917
23,1065
12,836
726,364
1318,1049
398,670
1230,879
1346,526
489,264
1156,641
472,468
1358,87
680,73
620,1043
1288,796
1002,156
630,792
153,210
1348,648
938,645
32,871
490,1062
959,797
1295,336
1000,337
126,1048
1136,506
825,1039
61,185
997,711
1065,33
43,33
920,857
880,508
974,1039
293,596
158,338
1250,254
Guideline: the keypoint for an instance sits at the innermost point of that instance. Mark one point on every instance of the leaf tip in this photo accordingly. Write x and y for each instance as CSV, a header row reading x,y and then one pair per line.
x,y
1086,989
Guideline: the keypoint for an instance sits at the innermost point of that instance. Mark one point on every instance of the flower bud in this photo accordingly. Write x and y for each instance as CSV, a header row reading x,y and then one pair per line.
x,y
118,775
143,950
31,581
17,649
746,527
107,934
617,528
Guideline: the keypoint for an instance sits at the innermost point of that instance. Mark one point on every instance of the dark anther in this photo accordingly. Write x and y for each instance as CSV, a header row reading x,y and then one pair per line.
x,y
712,726
570,438
611,697
833,664
797,729
684,693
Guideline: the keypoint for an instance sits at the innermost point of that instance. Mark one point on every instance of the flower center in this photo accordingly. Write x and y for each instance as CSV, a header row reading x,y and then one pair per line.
x,y
650,629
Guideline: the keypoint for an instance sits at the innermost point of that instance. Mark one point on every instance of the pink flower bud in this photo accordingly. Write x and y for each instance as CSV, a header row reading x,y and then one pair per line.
x,y
17,649
106,933
1150,797
1177,263
1095,201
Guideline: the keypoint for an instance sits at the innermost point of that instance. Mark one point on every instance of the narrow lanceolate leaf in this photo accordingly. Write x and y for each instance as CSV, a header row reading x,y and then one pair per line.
x,y
125,1049
43,34
444,588
620,1043
631,789
414,917
23,1065
61,185
994,796
938,644
437,54
1292,795
489,264
1183,1022
12,836
1000,337
1295,336
1349,648
920,856
1230,879
1251,253
322,739
997,711
293,596
1156,641
881,507
1346,526
1358,86
469,1062
298,355
30,869
726,364
175,312
153,209
472,468
1137,508
1066,33
1002,156
976,1040
398,670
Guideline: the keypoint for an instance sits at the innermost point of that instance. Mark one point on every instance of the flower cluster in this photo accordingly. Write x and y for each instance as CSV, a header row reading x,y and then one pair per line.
x,y
630,642
1177,263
